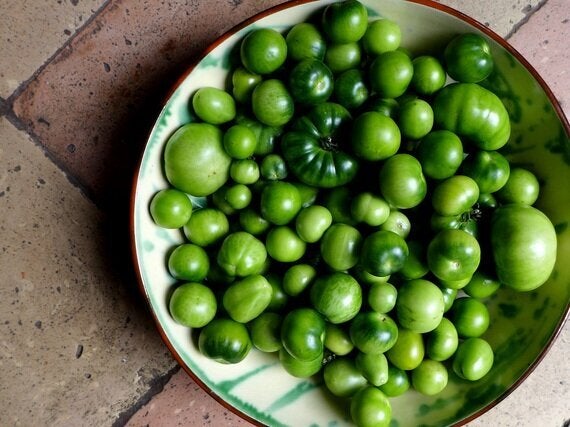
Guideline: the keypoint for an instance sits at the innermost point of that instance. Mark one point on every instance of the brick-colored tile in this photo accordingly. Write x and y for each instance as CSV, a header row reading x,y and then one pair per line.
x,y
25,46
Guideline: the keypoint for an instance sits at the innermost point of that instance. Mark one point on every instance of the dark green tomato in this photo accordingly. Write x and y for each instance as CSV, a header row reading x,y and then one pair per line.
x,y
473,359
382,297
244,171
442,342
265,332
252,222
195,160
206,227
430,377
263,51
284,245
279,298
391,73
271,103
482,285
373,332
225,341
375,136
369,407
473,112
342,378
247,298
470,317
241,254
419,306
280,202
429,75
524,245
455,195
338,201
302,334
238,196
408,351
489,169
370,209
397,222
402,182
382,35
312,222
213,105
300,368
386,106
243,83
415,266
521,187
373,366
487,200
453,255
337,296
313,148
340,246
345,22
383,253
440,152
415,119
304,41
350,89
398,382
189,262
337,340
343,57
193,305
273,167
310,82
468,58
266,136
297,278
170,208
449,296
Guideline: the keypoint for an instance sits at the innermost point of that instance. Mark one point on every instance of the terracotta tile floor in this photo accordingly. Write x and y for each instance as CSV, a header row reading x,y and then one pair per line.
x,y
80,83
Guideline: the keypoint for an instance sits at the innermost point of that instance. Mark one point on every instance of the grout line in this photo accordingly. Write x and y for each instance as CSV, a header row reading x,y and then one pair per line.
x,y
526,18
156,386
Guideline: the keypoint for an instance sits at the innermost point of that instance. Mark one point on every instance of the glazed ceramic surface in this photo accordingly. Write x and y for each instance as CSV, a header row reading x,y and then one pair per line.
x,y
523,324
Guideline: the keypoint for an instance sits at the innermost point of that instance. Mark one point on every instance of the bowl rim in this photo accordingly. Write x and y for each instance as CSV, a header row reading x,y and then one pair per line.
x,y
219,40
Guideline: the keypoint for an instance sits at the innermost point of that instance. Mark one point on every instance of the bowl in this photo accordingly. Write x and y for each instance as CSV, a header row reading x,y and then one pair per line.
x,y
524,324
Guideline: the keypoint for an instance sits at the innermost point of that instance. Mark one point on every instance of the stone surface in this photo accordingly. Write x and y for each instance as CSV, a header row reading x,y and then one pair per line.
x,y
20,33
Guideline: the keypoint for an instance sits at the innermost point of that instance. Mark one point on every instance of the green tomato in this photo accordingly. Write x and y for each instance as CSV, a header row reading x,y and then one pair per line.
x,y
419,306
382,297
470,317
474,359
280,202
455,195
398,382
313,147
398,223
206,227
272,103
170,208
265,332
341,57
440,153
263,51
338,202
382,35
429,75
189,262
408,351
524,244
247,298
337,340
342,378
415,119
370,209
350,89
383,253
252,222
219,201
373,332
308,193
273,167
453,255
239,142
213,105
402,182
266,136
238,196
468,58
337,296
302,334
415,266
473,112
386,106
225,341
375,136
192,304
489,169
195,160
305,41
340,246
369,407
297,278
345,22
390,73
312,222
241,254
373,366
279,299
300,368
430,377
284,245
244,171
520,187
243,83
482,285
442,342
310,82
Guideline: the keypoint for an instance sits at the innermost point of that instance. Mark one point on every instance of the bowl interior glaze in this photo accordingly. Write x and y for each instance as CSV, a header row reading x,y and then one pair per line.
x,y
523,325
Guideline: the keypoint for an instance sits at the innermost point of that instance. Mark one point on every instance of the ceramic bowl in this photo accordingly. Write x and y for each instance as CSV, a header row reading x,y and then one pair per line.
x,y
523,325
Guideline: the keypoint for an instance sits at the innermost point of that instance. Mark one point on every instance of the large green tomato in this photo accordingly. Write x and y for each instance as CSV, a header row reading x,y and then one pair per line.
x,y
440,152
402,182
241,254
454,255
345,22
373,332
524,246
314,148
263,51
375,136
337,296
340,246
225,341
310,82
304,41
247,298
383,253
280,202
468,58
419,306
390,73
303,333
195,160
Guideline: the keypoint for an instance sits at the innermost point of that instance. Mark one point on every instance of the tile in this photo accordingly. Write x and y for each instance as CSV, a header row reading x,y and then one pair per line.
x,y
19,33
76,345
93,105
